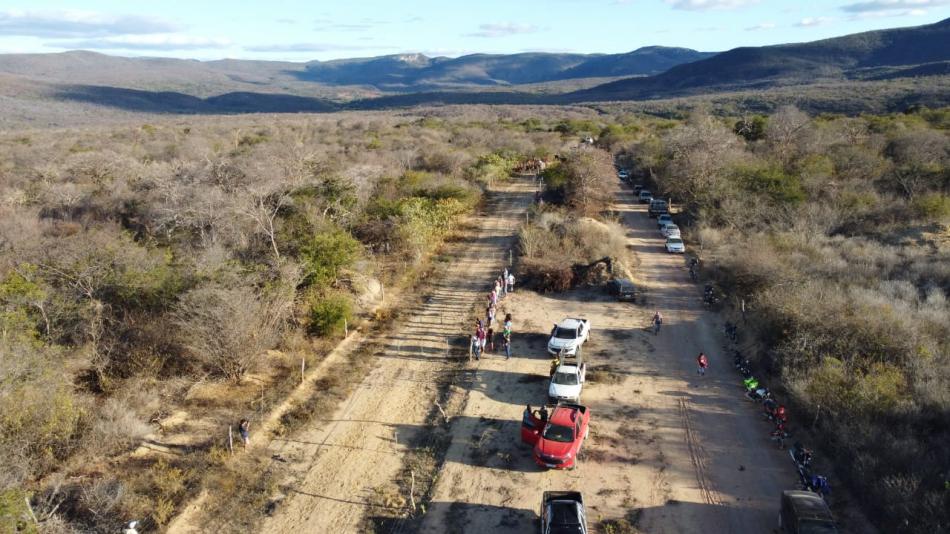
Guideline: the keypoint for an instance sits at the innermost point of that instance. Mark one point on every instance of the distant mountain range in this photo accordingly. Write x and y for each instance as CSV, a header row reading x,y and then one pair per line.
x,y
158,85
364,76
413,71
917,51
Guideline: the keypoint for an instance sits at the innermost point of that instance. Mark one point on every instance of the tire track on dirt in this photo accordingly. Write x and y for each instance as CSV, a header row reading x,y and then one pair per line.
x,y
697,456
342,469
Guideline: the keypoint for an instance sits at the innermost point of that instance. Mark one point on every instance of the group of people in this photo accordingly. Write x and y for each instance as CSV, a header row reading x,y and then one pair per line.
x,y
483,339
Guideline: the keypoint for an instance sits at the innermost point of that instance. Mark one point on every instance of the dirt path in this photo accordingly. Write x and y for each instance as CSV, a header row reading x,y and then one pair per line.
x,y
669,451
341,463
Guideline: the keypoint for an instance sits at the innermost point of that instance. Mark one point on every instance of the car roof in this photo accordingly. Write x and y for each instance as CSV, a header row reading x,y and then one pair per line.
x,y
574,368
562,415
808,505
569,323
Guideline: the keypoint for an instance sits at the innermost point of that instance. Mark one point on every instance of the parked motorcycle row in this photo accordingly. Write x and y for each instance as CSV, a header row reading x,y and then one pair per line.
x,y
775,413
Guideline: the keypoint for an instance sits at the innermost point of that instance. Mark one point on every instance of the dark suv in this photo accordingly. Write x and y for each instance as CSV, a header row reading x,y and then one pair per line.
x,y
623,289
658,207
804,512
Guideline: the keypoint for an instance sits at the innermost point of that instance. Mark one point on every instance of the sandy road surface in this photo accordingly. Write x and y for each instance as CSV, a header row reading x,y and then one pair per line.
x,y
339,462
671,451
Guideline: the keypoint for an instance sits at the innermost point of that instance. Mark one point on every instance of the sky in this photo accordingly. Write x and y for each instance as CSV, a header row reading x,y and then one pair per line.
x,y
306,30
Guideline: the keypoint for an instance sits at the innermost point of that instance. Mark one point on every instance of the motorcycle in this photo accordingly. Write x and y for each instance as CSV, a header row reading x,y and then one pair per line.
x,y
814,483
759,394
780,434
800,455
732,331
750,383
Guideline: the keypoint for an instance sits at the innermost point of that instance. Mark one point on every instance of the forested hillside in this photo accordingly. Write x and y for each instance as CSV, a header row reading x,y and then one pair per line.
x,y
160,279
834,232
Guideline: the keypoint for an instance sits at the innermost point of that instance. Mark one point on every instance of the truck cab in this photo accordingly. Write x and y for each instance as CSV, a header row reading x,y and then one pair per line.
x,y
804,512
557,440
658,207
563,512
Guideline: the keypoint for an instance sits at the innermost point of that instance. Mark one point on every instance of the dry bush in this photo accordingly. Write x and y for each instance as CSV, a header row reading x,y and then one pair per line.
x,y
228,329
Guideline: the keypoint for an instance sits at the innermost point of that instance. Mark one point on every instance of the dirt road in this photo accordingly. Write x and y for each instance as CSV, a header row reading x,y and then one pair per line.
x,y
345,460
668,450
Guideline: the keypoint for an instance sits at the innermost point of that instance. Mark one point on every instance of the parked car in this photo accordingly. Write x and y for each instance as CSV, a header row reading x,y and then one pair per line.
x,y
563,512
559,439
623,289
675,245
623,175
568,336
645,196
658,207
567,382
670,230
663,220
637,188
804,512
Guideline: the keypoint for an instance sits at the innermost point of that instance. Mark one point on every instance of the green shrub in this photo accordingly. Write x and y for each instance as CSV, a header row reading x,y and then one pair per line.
x,y
773,182
933,206
328,314
327,254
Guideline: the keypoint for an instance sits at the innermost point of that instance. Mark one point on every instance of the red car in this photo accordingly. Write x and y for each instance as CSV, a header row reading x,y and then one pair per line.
x,y
557,440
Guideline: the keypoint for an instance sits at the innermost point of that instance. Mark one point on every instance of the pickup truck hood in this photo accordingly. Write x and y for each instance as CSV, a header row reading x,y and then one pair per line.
x,y
553,448
560,343
562,390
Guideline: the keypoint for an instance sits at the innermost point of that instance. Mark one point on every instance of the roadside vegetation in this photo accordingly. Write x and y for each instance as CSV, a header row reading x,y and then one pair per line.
x,y
834,231
571,227
160,281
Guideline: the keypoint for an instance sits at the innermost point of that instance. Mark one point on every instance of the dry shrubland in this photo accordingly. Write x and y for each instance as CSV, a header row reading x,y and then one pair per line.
x,y
140,264
571,226
834,230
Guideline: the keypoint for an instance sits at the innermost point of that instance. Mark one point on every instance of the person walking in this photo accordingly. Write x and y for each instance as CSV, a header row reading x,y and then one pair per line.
x,y
657,321
508,346
703,363
244,427
490,315
476,348
482,334
491,339
511,283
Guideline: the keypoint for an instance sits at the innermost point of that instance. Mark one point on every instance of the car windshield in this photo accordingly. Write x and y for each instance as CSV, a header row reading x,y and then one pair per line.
x,y
565,379
645,193
816,527
565,333
674,241
563,434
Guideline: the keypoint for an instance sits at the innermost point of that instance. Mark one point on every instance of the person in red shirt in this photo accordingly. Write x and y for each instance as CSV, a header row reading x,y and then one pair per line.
x,y
703,363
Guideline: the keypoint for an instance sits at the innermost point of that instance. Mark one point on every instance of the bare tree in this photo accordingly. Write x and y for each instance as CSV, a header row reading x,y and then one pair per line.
x,y
228,329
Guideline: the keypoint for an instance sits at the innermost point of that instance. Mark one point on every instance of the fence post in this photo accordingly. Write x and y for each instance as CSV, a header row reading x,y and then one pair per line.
x,y
303,364
815,422
346,329
412,489
230,440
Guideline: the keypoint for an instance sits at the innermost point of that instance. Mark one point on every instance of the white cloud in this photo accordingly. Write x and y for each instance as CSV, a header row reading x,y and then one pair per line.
x,y
892,6
809,22
762,26
503,29
78,24
145,42
311,47
706,5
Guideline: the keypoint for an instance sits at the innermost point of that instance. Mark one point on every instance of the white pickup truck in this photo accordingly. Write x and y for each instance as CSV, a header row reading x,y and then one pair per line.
x,y
567,382
568,336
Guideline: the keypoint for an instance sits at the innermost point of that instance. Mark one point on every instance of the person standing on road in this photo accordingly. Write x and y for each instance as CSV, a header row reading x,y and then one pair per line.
x,y
657,321
507,338
491,339
703,363
510,283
